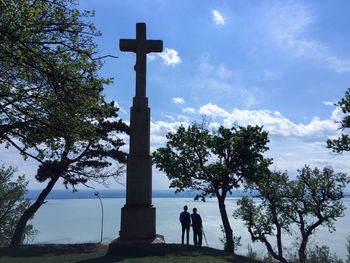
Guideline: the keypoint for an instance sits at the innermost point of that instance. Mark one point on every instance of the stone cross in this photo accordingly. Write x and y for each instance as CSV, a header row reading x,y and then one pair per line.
x,y
141,46
138,216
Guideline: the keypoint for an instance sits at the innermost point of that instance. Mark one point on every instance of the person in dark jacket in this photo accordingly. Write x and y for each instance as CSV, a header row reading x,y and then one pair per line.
x,y
197,228
185,220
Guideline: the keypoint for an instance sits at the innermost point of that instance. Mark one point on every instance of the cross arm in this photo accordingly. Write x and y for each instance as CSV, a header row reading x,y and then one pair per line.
x,y
154,46
128,45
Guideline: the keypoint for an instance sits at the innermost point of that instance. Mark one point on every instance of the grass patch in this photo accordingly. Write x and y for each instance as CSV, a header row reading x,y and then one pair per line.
x,y
96,253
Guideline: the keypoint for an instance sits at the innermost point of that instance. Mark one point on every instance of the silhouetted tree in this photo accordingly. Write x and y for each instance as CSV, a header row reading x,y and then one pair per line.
x,y
47,61
268,218
342,143
12,204
51,103
313,199
214,164
77,158
316,199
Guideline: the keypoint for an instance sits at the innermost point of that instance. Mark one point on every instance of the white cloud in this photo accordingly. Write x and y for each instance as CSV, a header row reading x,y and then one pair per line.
x,y
289,24
116,104
159,129
213,110
214,126
277,124
218,18
170,57
189,110
329,103
178,100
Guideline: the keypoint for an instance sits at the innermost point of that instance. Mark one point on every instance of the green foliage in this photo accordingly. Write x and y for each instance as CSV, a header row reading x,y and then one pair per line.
x,y
12,204
252,254
342,143
48,79
322,254
316,195
311,200
193,158
51,103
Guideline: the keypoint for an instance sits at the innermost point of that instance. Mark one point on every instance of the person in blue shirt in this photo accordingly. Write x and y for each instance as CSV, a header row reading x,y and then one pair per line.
x,y
185,220
197,228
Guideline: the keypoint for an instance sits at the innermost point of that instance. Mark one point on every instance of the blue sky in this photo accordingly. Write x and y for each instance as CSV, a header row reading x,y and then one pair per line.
x,y
281,64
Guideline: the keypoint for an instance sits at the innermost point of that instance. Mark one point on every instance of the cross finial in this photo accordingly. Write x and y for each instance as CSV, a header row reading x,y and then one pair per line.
x,y
141,31
141,46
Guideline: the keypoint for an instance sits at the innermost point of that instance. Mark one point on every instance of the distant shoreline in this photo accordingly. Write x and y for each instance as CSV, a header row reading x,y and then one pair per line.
x,y
105,193
110,193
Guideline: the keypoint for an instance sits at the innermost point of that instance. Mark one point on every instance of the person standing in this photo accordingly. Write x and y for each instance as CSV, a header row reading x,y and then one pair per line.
x,y
197,228
185,220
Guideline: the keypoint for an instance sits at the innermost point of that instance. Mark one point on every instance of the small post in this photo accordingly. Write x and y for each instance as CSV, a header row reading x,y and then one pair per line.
x,y
98,196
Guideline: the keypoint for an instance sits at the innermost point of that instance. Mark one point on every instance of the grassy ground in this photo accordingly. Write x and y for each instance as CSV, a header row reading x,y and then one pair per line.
x,y
96,253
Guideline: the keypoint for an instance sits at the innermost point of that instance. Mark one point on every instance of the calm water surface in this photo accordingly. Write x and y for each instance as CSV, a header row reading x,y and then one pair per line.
x,y
79,220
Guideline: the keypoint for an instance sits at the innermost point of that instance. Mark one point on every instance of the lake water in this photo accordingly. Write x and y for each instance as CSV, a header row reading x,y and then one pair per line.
x,y
79,220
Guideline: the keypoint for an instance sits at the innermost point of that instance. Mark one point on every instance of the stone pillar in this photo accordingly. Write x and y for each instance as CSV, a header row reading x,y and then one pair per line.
x,y
138,216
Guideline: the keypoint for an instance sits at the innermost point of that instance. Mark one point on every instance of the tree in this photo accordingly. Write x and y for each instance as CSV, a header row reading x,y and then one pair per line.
x,y
12,204
214,164
51,103
316,199
342,143
47,59
269,218
78,158
313,199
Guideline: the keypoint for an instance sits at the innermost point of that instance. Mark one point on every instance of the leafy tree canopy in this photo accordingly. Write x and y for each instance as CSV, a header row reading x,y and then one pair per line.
x,y
342,143
48,74
212,163
51,102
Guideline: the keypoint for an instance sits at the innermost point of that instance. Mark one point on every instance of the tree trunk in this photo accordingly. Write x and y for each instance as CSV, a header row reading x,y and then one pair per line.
x,y
278,230
278,256
305,234
229,246
302,248
29,213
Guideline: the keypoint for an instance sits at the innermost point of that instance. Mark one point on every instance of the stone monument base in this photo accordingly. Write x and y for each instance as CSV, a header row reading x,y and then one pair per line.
x,y
138,222
137,247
